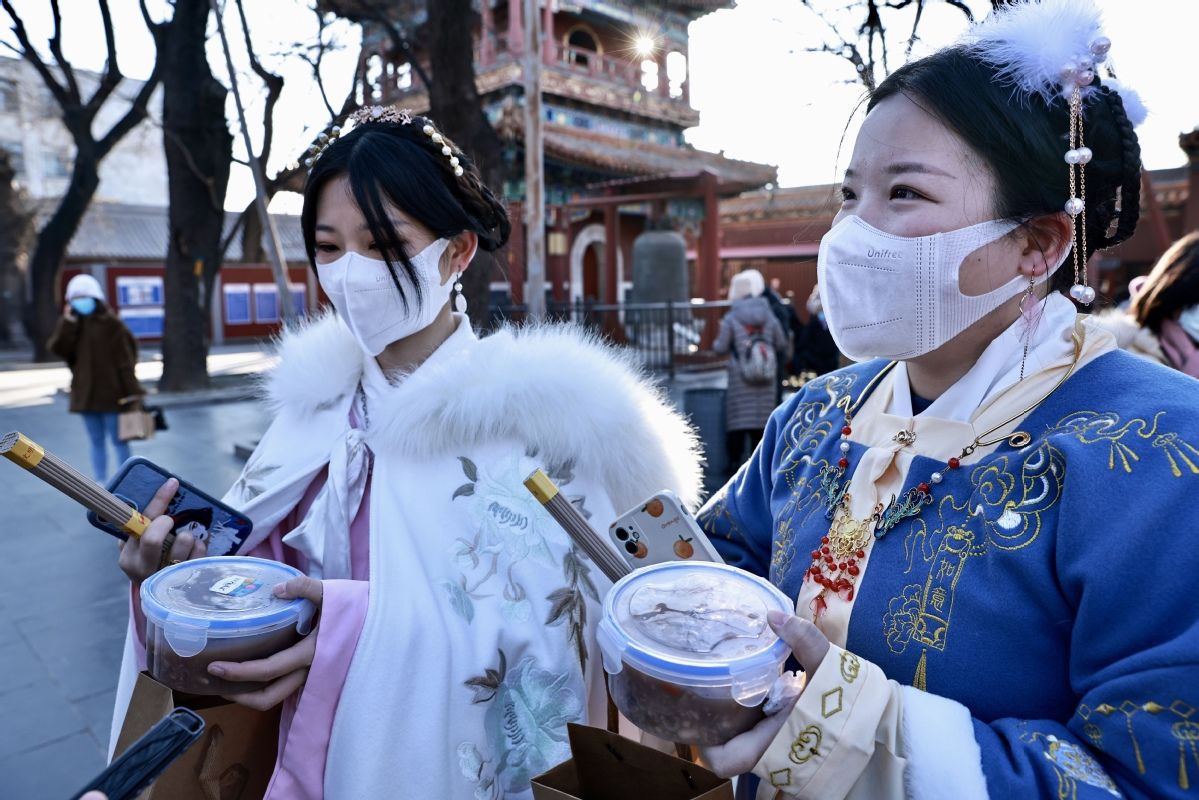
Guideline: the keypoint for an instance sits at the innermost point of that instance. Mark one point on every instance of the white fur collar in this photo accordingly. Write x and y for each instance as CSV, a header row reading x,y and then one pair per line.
x,y
555,388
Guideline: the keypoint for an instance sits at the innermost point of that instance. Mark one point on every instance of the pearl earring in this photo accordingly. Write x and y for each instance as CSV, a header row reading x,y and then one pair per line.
x,y
459,298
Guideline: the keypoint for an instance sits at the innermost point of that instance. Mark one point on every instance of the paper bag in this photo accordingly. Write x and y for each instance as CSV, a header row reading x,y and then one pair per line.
x,y
604,766
233,759
135,425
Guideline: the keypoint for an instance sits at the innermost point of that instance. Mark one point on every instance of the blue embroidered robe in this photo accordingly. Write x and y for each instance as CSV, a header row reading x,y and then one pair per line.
x,y
1049,589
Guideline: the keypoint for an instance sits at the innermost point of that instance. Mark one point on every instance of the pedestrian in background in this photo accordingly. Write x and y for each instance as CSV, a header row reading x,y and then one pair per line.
x,y
785,314
816,352
1162,319
101,353
757,343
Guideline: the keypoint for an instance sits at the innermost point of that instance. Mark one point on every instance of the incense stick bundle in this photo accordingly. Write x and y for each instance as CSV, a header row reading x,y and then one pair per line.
x,y
29,455
576,526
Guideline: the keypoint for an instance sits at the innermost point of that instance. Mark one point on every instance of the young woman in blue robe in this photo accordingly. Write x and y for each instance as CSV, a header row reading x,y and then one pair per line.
x,y
988,523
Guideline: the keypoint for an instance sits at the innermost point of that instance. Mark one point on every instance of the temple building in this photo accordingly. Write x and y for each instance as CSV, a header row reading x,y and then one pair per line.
x,y
615,99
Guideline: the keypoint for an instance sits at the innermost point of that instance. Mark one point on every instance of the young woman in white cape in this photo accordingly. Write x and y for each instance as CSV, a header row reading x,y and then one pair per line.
x,y
456,626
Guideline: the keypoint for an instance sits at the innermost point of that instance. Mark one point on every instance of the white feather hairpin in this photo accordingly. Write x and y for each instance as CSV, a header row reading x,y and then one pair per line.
x,y
1047,47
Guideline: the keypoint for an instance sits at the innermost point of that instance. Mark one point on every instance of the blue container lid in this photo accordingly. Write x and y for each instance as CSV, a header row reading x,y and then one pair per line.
x,y
221,597
695,624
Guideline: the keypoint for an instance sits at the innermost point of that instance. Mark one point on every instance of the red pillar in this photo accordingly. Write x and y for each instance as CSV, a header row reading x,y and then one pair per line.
x,y
707,265
516,254
487,35
547,32
611,291
516,27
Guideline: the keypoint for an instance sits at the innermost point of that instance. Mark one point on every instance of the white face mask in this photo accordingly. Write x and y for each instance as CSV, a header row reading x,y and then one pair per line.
x,y
897,297
365,297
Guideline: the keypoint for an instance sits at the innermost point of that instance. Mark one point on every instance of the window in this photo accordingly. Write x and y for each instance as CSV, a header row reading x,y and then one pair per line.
x,y
676,72
299,298
139,292
581,47
59,165
9,99
649,75
266,303
237,304
144,323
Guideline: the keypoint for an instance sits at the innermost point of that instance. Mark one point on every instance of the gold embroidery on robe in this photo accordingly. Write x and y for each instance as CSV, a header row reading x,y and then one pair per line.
x,y
1185,731
1073,764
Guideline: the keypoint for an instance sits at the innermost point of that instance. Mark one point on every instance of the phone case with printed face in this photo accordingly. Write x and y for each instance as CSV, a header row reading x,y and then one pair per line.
x,y
660,530
194,512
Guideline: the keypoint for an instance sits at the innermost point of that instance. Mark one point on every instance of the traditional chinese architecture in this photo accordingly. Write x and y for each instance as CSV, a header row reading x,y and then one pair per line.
x,y
615,98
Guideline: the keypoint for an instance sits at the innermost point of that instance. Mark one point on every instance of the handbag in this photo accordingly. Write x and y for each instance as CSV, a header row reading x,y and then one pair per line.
x,y
135,423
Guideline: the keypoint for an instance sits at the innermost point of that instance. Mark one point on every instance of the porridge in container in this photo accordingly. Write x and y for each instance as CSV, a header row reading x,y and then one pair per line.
x,y
688,651
218,609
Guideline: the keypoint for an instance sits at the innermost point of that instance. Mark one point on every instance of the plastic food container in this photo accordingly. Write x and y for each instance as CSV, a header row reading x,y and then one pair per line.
x,y
688,650
218,609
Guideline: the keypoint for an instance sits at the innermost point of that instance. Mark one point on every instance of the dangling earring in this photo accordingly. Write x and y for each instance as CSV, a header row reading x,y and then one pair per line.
x,y
1030,309
459,298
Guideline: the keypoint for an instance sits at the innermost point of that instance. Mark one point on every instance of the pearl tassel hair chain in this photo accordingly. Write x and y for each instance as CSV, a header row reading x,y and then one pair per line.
x,y
1053,48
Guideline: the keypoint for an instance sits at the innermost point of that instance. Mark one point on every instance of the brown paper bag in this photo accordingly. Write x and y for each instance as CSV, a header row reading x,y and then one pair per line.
x,y
136,424
605,766
233,759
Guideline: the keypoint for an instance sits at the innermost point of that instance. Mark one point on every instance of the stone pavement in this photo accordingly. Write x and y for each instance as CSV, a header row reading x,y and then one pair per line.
x,y
63,601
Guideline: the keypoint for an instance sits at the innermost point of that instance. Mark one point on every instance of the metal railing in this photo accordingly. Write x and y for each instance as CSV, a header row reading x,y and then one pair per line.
x,y
666,337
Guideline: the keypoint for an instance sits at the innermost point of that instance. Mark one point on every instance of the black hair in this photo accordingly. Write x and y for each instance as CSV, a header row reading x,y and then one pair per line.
x,y
1023,141
401,165
1172,285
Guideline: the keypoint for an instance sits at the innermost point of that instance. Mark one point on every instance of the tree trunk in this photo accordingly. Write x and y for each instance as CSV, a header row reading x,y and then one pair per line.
x,y
457,109
198,154
51,250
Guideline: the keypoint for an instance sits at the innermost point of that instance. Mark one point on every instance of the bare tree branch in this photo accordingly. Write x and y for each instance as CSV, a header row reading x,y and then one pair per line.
x,y
68,74
112,72
28,52
274,88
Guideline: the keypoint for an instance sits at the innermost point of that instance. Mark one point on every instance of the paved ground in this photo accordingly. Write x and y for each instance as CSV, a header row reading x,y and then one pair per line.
x,y
63,601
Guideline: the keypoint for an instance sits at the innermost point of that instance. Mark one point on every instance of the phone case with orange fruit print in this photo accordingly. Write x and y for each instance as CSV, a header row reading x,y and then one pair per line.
x,y
660,530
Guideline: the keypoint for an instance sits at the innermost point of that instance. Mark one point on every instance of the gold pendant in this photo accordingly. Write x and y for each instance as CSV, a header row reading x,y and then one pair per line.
x,y
846,536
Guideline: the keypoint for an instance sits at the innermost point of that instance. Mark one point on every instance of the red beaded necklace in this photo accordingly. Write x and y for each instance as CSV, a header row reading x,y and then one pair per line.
x,y
836,562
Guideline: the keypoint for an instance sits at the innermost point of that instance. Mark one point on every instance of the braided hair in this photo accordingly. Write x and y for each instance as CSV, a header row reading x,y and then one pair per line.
x,y
397,165
1022,140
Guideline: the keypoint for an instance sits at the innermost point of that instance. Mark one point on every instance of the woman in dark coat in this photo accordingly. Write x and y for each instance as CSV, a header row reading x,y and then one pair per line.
x,y
101,353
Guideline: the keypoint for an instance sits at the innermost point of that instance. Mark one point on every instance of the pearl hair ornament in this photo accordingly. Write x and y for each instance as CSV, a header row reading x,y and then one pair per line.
x,y
1054,48
368,114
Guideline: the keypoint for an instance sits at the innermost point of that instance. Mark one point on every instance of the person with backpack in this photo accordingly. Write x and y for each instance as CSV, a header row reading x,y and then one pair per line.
x,y
756,343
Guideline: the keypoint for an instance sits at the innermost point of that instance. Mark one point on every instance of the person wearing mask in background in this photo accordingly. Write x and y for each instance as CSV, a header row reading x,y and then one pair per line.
x,y
816,352
101,353
756,342
1161,322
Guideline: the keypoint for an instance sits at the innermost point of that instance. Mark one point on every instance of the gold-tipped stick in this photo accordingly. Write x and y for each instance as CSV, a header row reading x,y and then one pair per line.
x,y
32,457
576,526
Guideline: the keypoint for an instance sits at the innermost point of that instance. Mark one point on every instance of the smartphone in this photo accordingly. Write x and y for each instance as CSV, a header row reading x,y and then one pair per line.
x,y
148,757
658,530
209,520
